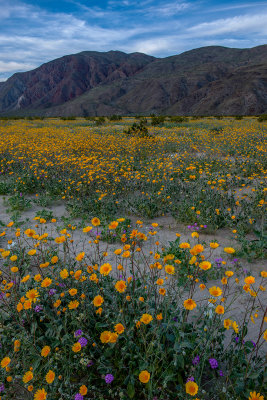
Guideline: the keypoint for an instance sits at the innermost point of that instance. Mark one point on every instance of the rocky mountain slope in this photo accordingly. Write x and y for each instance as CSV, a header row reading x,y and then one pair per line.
x,y
208,80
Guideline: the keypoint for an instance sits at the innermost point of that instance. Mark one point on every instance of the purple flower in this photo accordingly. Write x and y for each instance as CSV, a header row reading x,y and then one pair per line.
x,y
196,360
52,292
220,373
175,319
77,333
205,226
109,378
78,396
83,342
61,285
90,363
191,378
213,363
237,339
2,387
38,308
254,344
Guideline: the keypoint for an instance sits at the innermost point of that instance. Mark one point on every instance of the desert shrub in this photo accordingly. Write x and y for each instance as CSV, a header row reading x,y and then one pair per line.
x,y
115,117
157,120
70,118
100,121
76,325
139,129
262,118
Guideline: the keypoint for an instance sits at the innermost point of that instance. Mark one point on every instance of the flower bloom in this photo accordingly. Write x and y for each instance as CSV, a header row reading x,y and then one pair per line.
x,y
219,310
76,347
109,378
144,376
191,388
197,249
64,273
87,229
32,295
105,269
32,252
255,396
40,395
95,221
105,337
169,269
215,291
214,245
78,396
73,304
80,256
249,280
83,390
98,300
189,304
113,225
45,351
46,282
205,265
5,362
184,245
265,335
27,377
120,286
83,341
50,376
146,318
229,250
213,363
227,323
119,328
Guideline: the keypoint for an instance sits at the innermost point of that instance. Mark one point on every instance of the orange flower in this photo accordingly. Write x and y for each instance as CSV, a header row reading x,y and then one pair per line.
x,y
144,376
205,265
27,377
95,221
98,300
189,304
229,250
170,269
219,310
45,351
76,347
105,337
191,388
198,248
146,318
215,291
40,395
50,376
105,269
5,362
249,280
120,286
83,390
46,282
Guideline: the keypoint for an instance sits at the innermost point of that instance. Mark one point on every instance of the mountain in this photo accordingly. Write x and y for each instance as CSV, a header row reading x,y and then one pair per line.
x,y
208,80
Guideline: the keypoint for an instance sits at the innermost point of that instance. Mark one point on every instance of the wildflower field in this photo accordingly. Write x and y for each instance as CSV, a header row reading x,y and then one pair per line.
x,y
108,302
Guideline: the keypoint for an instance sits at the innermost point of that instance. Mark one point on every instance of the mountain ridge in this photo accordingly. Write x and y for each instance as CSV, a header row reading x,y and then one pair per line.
x,y
207,80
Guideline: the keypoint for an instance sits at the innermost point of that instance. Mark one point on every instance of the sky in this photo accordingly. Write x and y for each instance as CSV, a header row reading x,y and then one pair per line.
x,y
34,32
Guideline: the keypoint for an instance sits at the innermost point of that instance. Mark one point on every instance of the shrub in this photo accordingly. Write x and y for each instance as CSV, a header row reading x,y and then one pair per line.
x,y
262,118
157,120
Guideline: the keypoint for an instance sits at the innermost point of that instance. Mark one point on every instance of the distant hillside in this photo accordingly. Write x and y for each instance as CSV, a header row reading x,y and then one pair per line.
x,y
208,80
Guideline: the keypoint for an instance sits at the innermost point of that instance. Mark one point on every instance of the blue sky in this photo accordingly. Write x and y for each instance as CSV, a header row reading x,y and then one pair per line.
x,y
34,32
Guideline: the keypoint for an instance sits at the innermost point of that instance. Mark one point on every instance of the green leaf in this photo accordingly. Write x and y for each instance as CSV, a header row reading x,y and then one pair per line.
x,y
130,390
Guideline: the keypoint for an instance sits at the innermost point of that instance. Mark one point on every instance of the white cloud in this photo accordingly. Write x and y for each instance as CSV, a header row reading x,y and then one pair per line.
x,y
168,9
240,24
14,66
